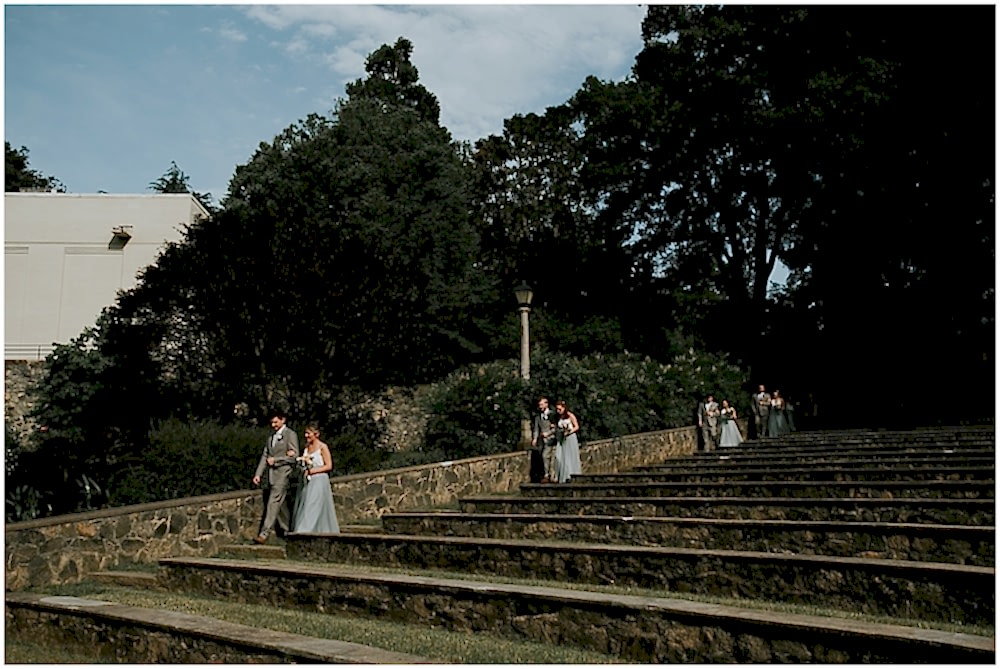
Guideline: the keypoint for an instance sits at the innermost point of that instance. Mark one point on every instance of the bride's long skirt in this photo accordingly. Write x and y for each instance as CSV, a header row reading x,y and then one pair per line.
x,y
568,459
314,510
730,435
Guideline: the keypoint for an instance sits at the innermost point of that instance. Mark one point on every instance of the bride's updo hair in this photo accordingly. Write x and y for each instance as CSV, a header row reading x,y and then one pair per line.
x,y
312,427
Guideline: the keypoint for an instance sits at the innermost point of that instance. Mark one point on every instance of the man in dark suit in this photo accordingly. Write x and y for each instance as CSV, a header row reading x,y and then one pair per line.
x,y
278,458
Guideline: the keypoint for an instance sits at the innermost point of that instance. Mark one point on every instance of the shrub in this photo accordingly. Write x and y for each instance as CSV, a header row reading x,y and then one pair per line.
x,y
478,409
188,459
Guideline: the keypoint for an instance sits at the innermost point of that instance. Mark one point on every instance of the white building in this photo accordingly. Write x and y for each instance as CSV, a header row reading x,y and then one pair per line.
x,y
67,255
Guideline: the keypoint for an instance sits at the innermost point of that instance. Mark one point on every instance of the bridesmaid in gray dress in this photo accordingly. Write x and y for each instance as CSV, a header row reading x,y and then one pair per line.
x,y
776,425
568,448
314,510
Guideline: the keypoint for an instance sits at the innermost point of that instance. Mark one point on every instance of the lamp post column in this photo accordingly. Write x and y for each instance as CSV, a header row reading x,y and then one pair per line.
x,y
524,294
525,348
525,373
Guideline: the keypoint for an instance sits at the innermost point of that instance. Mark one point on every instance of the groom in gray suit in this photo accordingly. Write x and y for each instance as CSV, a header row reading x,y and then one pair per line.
x,y
708,422
278,459
761,405
543,442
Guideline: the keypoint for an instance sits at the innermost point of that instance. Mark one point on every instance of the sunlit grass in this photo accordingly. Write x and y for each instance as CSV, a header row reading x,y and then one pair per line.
x,y
17,651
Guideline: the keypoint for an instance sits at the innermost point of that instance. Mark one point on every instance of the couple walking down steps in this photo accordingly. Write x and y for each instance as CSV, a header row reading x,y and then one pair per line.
x,y
314,510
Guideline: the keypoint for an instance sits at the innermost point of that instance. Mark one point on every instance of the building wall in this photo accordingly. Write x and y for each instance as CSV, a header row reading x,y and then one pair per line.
x,y
63,264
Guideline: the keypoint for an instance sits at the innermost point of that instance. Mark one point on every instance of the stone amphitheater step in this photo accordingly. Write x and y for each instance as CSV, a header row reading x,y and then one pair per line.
x,y
958,544
920,433
901,588
942,511
129,579
980,489
725,459
802,473
273,552
136,635
770,450
822,440
636,628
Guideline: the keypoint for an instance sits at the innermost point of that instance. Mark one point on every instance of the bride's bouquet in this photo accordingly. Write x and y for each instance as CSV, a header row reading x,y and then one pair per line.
x,y
304,464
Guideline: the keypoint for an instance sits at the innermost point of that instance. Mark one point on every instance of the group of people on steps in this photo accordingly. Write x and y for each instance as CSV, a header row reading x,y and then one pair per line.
x,y
773,416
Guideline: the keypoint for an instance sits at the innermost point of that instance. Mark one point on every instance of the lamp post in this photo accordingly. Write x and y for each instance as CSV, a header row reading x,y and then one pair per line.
x,y
524,295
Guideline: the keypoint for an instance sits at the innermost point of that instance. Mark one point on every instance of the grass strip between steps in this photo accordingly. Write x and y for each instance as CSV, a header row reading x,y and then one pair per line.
x,y
753,604
19,651
436,644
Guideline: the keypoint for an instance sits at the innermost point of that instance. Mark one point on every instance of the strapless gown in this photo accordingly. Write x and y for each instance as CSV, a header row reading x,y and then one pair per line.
x,y
314,511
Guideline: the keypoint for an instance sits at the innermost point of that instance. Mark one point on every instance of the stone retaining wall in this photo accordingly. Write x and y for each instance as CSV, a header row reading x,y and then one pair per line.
x,y
19,377
941,511
66,548
959,544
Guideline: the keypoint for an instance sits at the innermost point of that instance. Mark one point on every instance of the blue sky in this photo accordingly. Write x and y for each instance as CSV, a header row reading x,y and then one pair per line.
x,y
104,97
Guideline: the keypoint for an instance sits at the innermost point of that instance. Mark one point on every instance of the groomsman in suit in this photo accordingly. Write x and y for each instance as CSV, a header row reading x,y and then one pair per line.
x,y
278,459
708,422
761,405
543,443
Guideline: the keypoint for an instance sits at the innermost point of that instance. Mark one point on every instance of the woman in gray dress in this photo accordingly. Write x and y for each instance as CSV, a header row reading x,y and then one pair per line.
x,y
776,425
567,448
314,511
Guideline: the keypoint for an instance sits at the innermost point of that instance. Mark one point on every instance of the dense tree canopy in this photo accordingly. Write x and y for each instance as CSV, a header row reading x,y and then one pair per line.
x,y
19,176
829,140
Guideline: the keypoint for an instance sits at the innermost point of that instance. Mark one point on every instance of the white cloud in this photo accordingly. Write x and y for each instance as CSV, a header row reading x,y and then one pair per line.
x,y
484,62
232,34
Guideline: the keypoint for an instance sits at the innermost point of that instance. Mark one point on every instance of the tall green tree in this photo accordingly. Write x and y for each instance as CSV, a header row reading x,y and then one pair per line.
x,y
804,135
540,224
394,81
343,256
744,109
19,176
174,180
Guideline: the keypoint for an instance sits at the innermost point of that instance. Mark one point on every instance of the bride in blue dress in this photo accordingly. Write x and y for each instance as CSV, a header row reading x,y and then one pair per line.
x,y
314,511
730,434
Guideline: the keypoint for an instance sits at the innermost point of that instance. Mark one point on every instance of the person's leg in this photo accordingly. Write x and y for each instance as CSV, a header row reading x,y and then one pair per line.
x,y
284,520
536,469
265,495
275,505
549,461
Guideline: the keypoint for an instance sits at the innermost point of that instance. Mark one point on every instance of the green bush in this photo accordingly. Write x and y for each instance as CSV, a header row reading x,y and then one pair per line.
x,y
478,409
188,459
